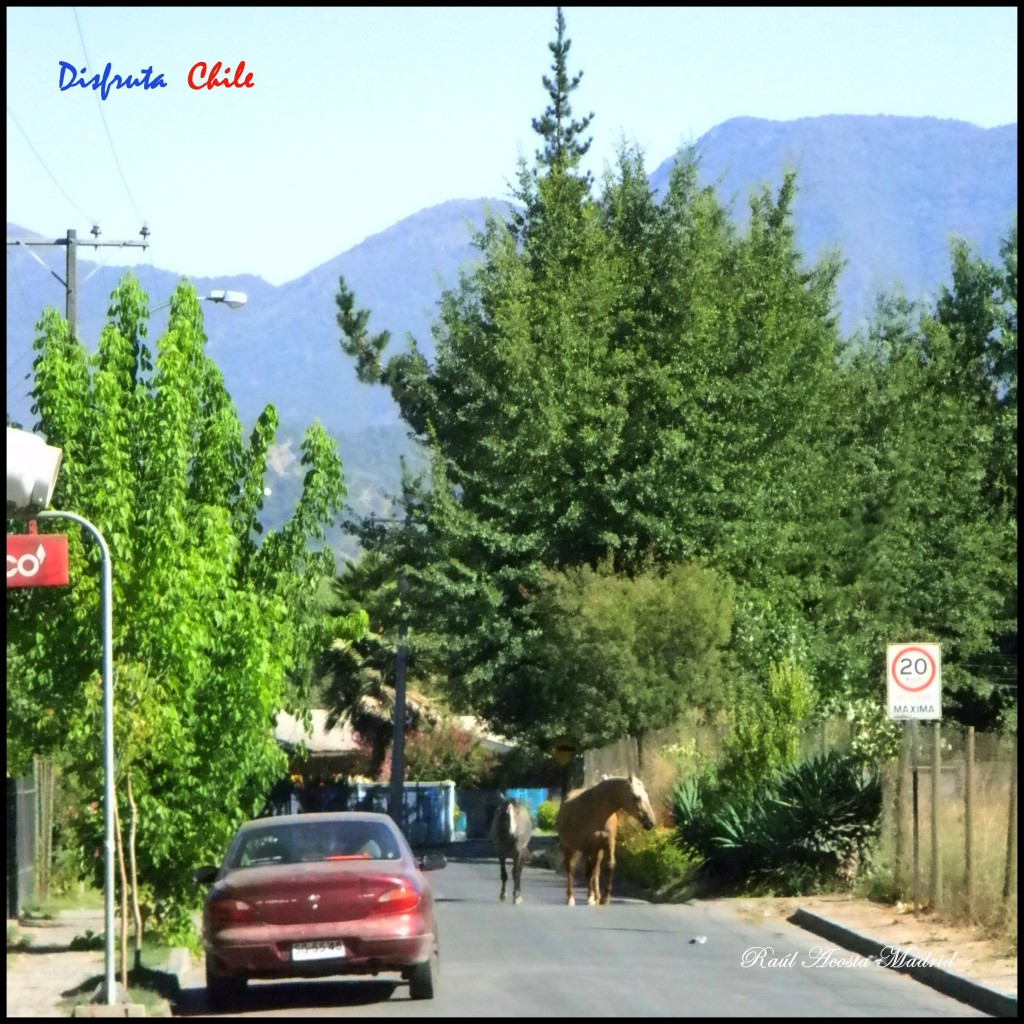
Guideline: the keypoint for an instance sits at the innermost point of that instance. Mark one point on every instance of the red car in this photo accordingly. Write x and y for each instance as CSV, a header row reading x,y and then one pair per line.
x,y
314,895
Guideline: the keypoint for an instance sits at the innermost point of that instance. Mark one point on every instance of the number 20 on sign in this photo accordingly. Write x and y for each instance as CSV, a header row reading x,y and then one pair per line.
x,y
914,681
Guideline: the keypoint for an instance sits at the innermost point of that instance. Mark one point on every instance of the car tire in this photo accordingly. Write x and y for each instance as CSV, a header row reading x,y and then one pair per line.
x,y
224,991
424,978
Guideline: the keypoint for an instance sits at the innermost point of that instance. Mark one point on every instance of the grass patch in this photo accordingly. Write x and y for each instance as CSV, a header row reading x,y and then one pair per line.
x,y
17,941
149,984
86,898
151,999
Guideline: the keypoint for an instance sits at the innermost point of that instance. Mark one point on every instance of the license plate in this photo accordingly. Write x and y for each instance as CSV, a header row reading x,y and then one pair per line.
x,y
325,949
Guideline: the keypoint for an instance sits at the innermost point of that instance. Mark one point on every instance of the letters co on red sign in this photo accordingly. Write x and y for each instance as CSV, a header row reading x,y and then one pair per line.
x,y
37,560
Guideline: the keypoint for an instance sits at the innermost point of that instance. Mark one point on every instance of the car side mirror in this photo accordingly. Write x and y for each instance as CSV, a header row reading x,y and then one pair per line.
x,y
204,875
433,862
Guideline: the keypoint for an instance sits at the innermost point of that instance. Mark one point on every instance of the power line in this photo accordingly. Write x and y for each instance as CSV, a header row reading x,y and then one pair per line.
x,y
70,281
42,163
106,129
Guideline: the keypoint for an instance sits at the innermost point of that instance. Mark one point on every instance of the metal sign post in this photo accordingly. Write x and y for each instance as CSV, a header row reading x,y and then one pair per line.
x,y
914,688
32,467
107,626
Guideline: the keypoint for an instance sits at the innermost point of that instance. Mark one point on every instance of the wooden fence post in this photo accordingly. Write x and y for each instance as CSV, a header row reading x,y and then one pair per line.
x,y
1010,878
902,872
936,797
969,822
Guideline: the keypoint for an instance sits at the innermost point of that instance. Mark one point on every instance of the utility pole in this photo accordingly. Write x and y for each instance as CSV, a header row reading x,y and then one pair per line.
x,y
396,794
396,786
70,280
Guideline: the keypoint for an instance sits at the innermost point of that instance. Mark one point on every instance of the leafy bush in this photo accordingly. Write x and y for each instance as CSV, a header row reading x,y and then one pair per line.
x,y
445,751
654,860
546,813
764,738
807,828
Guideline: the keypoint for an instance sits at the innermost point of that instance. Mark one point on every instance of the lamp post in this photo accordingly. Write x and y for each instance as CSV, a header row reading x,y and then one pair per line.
x,y
32,468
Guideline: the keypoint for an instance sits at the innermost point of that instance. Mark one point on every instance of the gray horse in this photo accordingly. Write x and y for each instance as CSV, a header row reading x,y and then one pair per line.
x,y
510,831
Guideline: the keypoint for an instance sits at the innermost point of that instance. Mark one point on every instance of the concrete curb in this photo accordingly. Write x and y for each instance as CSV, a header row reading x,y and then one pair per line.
x,y
949,983
179,963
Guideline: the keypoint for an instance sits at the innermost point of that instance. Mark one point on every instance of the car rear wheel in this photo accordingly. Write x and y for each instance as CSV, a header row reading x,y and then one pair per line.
x,y
224,991
423,978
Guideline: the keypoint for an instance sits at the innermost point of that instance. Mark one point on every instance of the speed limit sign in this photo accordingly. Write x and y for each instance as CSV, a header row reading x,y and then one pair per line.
x,y
914,681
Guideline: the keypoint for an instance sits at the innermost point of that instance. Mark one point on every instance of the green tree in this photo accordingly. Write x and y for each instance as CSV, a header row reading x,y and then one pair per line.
x,y
625,377
443,751
927,426
221,627
514,462
628,654
764,737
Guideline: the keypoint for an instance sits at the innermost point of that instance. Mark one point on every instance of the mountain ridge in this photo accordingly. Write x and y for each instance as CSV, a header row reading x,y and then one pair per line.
x,y
887,191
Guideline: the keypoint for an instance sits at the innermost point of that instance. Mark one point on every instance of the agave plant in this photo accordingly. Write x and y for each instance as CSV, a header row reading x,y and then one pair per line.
x,y
799,832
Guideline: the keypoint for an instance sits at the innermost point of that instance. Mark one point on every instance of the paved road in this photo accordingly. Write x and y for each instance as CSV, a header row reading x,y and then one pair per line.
x,y
629,959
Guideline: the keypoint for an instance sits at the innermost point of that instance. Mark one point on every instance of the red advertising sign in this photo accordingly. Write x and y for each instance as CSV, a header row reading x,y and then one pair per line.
x,y
37,560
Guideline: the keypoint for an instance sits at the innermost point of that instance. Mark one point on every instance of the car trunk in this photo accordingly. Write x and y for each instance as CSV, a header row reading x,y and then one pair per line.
x,y
316,893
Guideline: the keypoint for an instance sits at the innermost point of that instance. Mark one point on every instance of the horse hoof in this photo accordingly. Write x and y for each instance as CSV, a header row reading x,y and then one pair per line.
x,y
518,899
591,902
502,897
570,902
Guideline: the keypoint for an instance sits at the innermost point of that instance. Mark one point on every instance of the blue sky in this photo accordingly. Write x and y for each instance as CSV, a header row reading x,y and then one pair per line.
x,y
359,117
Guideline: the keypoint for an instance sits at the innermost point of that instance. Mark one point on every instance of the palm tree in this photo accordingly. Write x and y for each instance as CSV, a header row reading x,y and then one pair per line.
x,y
358,675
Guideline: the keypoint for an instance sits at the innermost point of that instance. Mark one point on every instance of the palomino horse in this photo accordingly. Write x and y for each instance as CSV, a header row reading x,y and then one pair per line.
x,y
586,824
511,830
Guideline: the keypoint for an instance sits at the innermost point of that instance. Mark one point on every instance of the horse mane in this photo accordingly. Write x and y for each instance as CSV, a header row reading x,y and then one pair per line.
x,y
606,783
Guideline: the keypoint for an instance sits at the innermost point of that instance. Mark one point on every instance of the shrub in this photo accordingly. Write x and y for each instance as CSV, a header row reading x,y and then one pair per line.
x,y
764,738
807,828
654,860
546,813
445,751
90,940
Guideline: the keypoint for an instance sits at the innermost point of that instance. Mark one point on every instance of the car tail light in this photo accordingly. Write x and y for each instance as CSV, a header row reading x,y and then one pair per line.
x,y
396,900
225,912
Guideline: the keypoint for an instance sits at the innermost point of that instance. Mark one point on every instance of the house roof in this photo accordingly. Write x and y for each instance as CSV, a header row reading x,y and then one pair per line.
x,y
289,733
342,739
488,740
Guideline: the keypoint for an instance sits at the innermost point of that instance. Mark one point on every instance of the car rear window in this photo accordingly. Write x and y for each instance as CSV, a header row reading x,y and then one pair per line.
x,y
308,842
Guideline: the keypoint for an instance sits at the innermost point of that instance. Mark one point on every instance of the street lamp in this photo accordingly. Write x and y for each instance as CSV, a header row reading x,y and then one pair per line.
x,y
32,467
233,300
